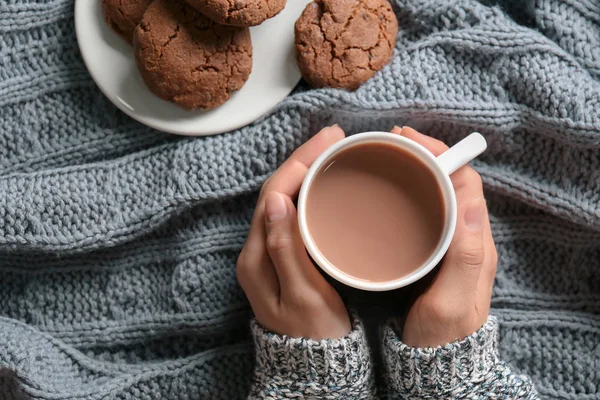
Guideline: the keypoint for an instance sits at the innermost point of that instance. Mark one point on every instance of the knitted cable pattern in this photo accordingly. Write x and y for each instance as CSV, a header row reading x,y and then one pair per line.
x,y
118,243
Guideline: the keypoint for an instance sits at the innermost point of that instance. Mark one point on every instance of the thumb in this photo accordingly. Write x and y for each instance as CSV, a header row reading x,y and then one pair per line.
x,y
284,243
463,262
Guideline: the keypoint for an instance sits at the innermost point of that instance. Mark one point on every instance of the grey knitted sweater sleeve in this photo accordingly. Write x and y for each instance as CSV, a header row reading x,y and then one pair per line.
x,y
293,368
466,369
289,368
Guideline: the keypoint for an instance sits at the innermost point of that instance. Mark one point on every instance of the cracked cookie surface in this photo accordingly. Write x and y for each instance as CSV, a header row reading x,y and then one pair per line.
x,y
188,59
124,15
239,12
343,43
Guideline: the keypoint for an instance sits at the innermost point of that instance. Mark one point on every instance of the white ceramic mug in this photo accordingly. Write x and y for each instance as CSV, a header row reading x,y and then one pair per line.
x,y
442,167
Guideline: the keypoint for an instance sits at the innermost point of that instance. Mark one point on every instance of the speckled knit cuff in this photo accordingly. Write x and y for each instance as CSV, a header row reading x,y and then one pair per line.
x,y
327,369
465,369
435,372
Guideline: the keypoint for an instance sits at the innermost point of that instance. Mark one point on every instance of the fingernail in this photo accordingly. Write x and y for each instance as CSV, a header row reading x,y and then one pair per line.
x,y
334,126
474,216
275,207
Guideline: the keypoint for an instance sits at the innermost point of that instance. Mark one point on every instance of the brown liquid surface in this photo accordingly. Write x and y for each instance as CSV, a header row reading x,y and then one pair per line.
x,y
375,212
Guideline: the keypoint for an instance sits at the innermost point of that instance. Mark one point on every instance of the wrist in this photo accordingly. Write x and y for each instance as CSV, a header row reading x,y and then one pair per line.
x,y
441,333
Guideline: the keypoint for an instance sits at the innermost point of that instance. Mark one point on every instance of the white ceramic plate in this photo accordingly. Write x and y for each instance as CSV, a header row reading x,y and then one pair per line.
x,y
112,65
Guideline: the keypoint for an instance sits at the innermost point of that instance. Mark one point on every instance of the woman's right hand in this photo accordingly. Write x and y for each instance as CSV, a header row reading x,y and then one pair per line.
x,y
457,303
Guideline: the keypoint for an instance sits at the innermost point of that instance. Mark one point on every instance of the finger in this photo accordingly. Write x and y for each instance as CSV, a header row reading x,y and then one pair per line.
x,y
288,179
435,146
285,245
488,271
397,130
459,275
468,186
462,177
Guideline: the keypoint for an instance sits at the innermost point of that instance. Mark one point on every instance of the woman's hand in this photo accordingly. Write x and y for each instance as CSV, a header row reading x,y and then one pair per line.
x,y
457,303
287,293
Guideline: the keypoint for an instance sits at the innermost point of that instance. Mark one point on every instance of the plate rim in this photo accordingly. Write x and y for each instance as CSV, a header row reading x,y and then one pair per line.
x,y
79,10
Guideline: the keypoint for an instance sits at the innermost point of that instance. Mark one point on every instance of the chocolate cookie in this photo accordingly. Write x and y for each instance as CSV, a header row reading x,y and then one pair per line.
x,y
342,43
186,58
238,12
124,15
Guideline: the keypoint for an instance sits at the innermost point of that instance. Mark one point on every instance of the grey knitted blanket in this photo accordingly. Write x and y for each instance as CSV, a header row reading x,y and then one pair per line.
x,y
118,243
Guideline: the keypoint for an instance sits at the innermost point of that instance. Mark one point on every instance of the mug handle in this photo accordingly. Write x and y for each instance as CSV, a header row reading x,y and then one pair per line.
x,y
462,153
